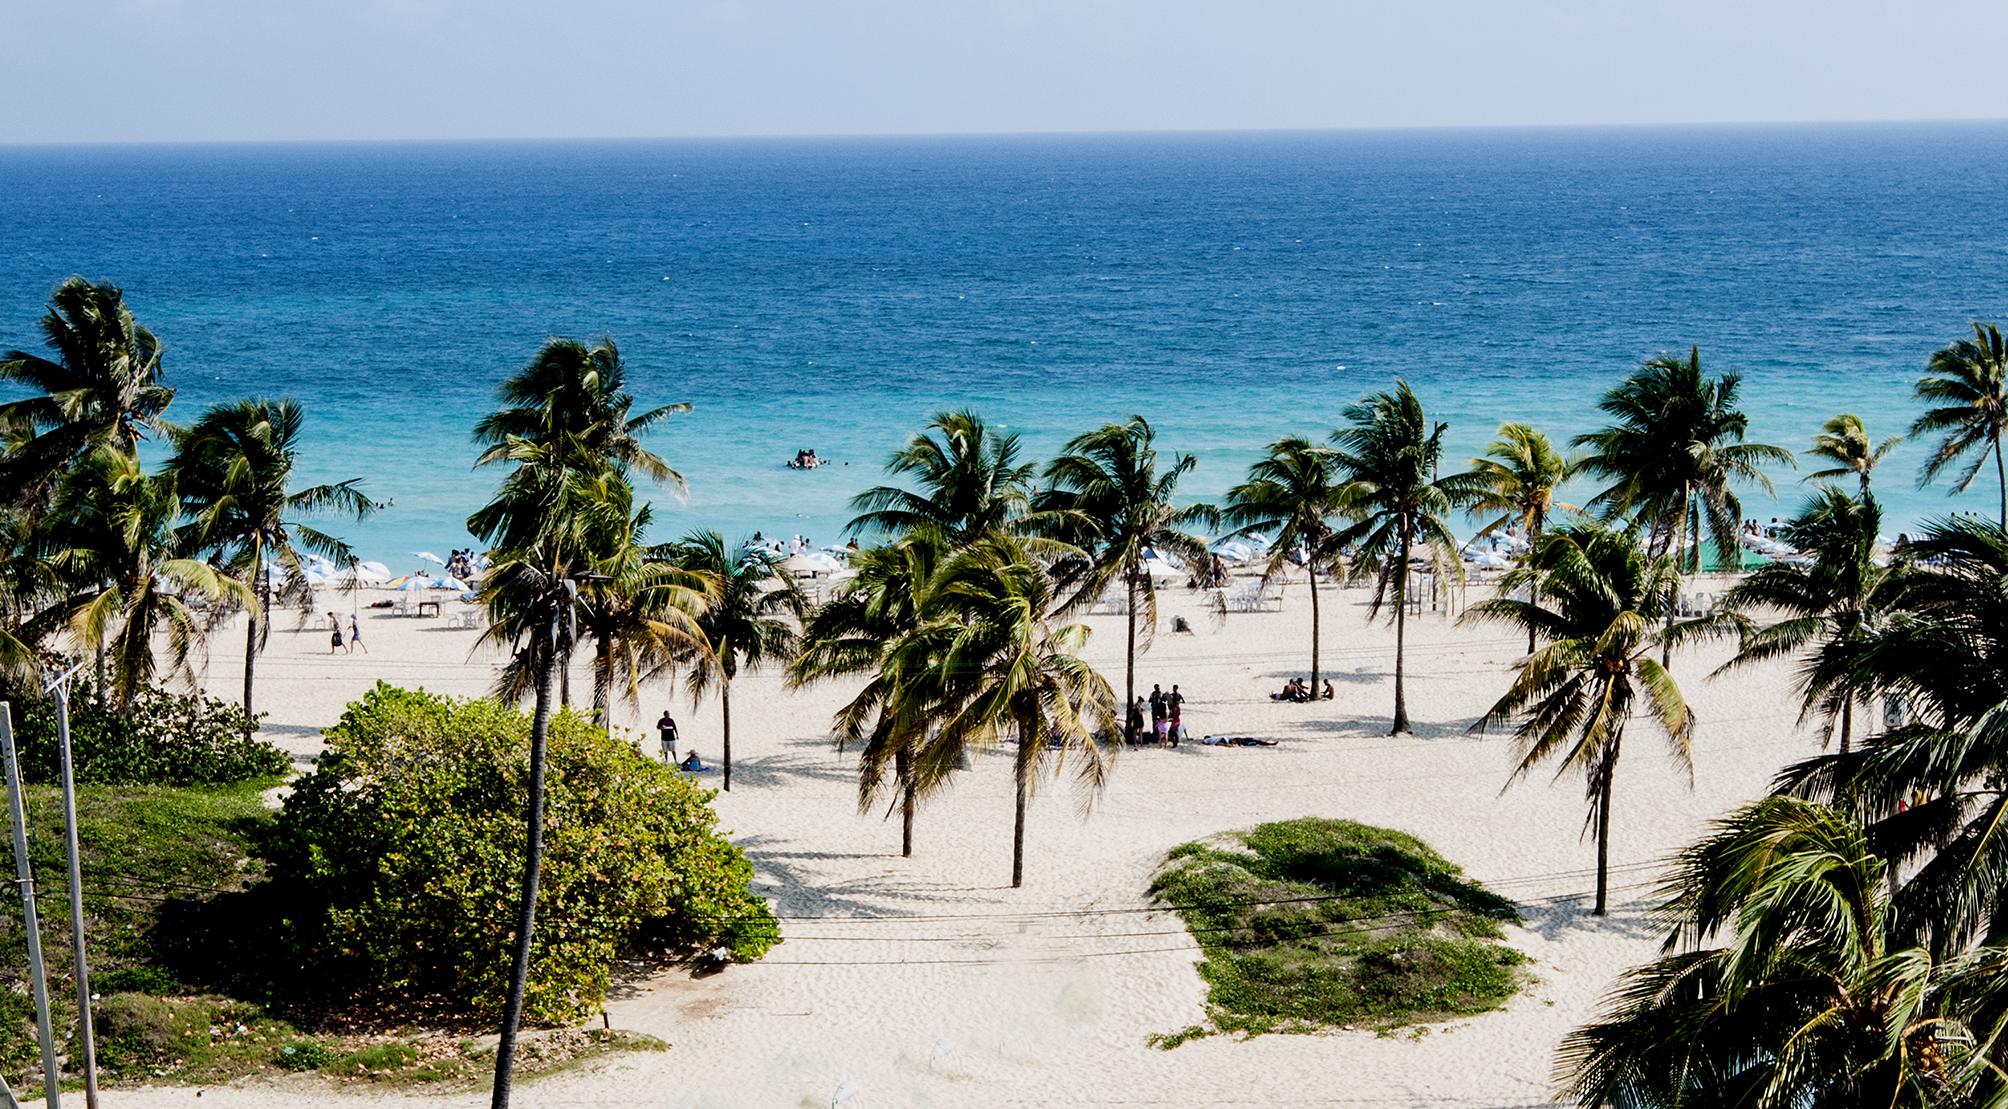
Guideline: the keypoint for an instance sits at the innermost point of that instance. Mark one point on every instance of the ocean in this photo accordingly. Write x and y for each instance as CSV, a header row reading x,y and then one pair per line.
x,y
834,293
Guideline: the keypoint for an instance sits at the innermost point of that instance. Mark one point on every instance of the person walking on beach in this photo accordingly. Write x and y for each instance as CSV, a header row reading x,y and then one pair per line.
x,y
356,634
335,643
665,731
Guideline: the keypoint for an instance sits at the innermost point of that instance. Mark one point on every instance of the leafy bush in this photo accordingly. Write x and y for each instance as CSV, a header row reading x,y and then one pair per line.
x,y
1315,923
399,858
303,1055
161,738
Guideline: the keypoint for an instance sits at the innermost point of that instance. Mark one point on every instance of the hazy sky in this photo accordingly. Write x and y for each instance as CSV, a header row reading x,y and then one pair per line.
x,y
301,69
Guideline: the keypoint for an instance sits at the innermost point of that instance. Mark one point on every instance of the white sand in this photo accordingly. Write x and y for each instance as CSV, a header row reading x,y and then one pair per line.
x,y
929,982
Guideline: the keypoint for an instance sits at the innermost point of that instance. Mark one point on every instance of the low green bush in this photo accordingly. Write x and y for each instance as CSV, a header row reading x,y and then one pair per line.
x,y
303,1055
398,859
1311,923
160,738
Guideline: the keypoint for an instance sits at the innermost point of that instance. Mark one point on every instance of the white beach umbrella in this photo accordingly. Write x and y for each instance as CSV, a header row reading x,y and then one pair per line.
x,y
429,557
450,582
1160,568
1234,549
798,565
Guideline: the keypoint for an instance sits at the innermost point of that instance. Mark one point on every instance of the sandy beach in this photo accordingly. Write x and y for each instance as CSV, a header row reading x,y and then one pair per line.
x,y
929,982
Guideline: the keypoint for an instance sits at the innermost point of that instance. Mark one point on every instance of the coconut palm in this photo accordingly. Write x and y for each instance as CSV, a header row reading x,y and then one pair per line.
x,y
857,632
1930,787
1388,454
1785,986
1844,441
1966,387
1575,697
972,483
986,662
1109,480
576,395
1516,478
102,389
750,620
1293,491
1674,454
232,468
636,606
1825,604
109,542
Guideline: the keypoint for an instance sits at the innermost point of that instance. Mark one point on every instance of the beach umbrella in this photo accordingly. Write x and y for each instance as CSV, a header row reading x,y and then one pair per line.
x,y
414,583
449,582
1160,568
1234,549
429,557
798,565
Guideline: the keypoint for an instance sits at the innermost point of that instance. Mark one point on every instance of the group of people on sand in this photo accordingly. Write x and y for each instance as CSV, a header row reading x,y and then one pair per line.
x,y
665,731
1214,576
336,645
806,460
1298,690
1167,718
461,565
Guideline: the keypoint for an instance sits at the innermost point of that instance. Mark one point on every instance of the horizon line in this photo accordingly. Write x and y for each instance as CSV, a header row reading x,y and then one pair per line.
x,y
785,136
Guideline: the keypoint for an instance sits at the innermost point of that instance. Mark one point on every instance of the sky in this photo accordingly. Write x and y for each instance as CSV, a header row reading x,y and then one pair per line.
x,y
177,70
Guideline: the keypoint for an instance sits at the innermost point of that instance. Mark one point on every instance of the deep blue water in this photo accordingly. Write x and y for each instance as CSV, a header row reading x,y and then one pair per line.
x,y
834,293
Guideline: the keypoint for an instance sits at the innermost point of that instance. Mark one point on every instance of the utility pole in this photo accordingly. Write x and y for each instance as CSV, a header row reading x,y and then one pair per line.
x,y
86,1033
38,975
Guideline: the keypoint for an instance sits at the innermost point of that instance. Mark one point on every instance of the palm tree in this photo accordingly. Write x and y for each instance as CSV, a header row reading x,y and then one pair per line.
x,y
1108,479
1293,491
1932,789
741,626
1517,478
1674,454
1826,603
636,606
109,541
1844,441
1389,454
858,632
232,468
1966,386
1576,696
986,661
101,390
972,483
1785,986
576,395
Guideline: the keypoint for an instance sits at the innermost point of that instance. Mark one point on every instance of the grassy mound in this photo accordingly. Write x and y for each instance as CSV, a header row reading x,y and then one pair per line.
x,y
1311,924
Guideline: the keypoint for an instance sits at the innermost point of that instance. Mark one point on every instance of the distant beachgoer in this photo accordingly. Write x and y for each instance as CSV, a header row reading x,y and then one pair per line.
x,y
356,634
665,730
1329,693
691,763
1133,727
1172,703
1162,727
1156,704
335,623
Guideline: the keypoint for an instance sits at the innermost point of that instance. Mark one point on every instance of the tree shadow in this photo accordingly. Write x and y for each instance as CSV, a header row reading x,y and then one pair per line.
x,y
1377,725
779,878
1556,918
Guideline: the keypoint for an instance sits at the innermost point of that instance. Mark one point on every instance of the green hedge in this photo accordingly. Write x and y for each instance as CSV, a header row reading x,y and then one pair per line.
x,y
399,858
161,738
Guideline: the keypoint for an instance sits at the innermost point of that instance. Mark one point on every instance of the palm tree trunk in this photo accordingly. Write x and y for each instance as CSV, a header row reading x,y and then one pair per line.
x,y
1673,601
250,663
1129,663
1311,569
98,694
2001,478
1401,642
1604,836
603,681
1847,722
725,736
1023,772
902,768
533,863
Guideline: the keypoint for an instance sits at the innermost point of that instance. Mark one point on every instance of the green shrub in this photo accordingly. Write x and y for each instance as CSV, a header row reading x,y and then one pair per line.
x,y
155,981
303,1055
161,738
398,859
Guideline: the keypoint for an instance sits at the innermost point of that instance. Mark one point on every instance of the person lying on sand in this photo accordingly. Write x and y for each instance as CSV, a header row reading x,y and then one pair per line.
x,y
1237,741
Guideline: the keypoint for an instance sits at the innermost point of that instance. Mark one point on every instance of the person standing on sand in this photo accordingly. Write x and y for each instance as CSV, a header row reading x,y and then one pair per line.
x,y
1133,726
1156,705
335,623
356,634
1172,701
665,730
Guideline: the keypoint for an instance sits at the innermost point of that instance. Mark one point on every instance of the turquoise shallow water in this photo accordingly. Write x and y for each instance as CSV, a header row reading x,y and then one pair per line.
x,y
834,293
